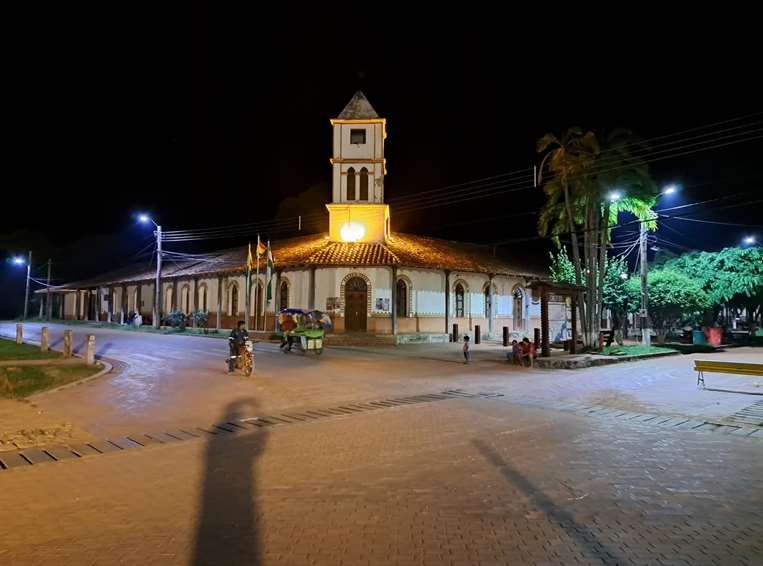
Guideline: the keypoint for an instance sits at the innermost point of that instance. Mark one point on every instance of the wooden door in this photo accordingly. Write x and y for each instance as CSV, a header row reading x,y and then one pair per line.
x,y
355,305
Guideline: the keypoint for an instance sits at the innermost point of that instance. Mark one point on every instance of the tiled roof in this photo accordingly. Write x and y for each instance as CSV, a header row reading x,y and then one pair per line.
x,y
403,250
341,253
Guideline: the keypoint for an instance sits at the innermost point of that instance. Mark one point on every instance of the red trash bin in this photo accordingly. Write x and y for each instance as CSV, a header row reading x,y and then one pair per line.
x,y
714,336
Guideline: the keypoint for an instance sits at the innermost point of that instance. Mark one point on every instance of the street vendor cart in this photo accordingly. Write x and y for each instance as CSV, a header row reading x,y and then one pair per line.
x,y
303,329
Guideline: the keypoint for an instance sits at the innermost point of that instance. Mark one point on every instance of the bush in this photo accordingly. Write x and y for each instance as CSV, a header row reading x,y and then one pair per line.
x,y
175,319
201,318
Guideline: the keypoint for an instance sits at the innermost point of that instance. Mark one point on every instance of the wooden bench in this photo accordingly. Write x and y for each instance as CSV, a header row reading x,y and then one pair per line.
x,y
738,368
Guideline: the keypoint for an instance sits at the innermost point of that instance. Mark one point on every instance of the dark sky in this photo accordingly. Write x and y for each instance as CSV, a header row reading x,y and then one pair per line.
x,y
215,116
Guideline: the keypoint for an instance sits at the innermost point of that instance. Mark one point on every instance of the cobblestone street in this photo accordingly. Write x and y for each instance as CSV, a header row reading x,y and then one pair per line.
x,y
516,479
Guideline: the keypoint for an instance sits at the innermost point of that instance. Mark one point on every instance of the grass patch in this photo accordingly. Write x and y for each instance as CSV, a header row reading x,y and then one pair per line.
x,y
17,382
9,350
635,350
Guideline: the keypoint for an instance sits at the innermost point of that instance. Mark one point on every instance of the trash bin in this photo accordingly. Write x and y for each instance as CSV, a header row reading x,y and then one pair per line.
x,y
714,336
698,337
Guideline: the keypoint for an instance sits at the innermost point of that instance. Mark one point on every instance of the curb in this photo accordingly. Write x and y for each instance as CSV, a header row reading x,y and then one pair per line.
x,y
107,368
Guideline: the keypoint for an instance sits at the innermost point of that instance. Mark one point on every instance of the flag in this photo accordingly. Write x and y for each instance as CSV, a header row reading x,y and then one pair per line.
x,y
249,266
261,248
249,260
269,272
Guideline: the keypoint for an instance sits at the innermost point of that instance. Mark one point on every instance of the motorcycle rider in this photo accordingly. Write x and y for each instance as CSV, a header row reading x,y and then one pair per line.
x,y
237,339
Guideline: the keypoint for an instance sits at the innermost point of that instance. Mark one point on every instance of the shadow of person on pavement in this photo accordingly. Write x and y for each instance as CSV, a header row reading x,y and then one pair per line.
x,y
227,523
584,536
103,349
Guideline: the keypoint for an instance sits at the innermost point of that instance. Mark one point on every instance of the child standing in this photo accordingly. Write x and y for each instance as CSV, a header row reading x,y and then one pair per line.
x,y
467,353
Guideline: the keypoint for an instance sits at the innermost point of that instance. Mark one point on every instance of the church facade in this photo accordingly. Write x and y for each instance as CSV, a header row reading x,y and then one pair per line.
x,y
368,277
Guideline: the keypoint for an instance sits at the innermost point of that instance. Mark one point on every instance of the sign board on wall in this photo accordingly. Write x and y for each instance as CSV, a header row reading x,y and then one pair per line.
x,y
382,304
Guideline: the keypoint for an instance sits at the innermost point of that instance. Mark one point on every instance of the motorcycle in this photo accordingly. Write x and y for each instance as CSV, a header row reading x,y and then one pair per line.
x,y
245,358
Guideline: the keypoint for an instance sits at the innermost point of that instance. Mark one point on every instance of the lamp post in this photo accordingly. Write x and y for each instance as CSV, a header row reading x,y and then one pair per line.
x,y
157,284
646,331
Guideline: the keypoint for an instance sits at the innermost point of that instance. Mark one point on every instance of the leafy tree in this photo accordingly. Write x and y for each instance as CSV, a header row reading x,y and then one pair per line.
x,y
615,295
672,295
732,277
577,203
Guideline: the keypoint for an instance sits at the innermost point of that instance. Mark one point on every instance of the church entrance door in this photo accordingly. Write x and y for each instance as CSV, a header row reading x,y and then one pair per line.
x,y
355,305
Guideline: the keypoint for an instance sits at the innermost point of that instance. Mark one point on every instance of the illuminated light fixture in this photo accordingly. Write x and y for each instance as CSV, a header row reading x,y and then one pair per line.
x,y
18,261
614,196
669,190
144,218
352,232
749,240
623,275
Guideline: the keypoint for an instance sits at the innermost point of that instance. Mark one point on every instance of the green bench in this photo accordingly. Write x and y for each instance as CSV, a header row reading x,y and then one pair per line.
x,y
738,368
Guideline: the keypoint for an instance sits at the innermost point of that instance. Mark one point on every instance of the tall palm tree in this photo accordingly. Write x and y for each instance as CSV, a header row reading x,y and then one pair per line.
x,y
569,158
578,202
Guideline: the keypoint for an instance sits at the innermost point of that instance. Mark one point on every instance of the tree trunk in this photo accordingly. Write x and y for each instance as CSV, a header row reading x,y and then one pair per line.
x,y
575,257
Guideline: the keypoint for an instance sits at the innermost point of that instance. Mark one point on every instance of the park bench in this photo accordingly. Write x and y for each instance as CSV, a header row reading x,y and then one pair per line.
x,y
738,368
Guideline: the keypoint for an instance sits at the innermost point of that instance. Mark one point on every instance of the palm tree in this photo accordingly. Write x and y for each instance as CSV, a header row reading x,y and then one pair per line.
x,y
569,158
578,202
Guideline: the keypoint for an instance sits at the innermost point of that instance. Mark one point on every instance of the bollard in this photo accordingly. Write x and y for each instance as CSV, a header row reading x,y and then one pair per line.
x,y
90,352
121,317
536,338
19,333
44,339
67,343
108,317
505,336
455,333
477,337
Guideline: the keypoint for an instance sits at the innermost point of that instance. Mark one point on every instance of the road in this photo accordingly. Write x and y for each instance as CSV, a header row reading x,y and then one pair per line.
x,y
485,480
173,380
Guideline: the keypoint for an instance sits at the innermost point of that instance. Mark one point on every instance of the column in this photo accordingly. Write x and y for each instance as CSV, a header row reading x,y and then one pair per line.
x,y
489,306
77,304
394,300
311,289
195,300
219,300
447,301
574,317
175,294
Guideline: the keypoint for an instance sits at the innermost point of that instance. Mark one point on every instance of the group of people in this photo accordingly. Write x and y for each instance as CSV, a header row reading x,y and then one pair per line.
x,y
522,353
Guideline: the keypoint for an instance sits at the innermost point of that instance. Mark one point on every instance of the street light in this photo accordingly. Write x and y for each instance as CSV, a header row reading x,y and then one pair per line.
x,y
623,275
615,196
19,260
144,218
669,189
749,240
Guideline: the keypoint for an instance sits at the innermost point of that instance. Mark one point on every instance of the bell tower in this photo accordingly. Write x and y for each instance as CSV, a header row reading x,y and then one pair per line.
x,y
357,212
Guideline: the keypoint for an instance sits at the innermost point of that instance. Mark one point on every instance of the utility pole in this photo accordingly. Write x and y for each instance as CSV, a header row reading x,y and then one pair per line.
x,y
44,299
157,285
26,293
645,330
48,303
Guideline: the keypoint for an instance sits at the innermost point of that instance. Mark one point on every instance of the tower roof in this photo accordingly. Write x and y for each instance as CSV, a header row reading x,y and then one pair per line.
x,y
358,108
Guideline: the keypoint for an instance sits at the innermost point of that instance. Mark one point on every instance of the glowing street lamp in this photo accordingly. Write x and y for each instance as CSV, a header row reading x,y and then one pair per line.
x,y
615,196
669,189
750,240
18,260
145,219
623,275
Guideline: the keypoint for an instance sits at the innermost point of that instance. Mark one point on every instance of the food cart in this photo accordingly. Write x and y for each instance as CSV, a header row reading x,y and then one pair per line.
x,y
303,329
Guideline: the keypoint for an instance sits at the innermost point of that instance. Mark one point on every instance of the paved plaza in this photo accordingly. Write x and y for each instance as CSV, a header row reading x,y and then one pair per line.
x,y
517,472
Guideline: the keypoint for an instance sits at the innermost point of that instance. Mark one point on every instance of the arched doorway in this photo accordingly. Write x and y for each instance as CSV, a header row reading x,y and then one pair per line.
x,y
402,298
355,305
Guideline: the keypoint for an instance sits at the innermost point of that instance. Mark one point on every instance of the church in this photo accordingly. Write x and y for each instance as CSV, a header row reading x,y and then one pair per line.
x,y
368,277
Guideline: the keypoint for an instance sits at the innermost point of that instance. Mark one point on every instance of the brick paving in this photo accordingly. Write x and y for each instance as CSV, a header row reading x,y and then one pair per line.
x,y
473,481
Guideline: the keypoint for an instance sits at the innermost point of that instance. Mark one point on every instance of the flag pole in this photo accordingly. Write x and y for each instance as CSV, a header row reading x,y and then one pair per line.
x,y
257,285
248,286
269,276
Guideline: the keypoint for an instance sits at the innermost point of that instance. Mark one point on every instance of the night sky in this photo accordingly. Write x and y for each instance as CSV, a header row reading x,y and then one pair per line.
x,y
215,117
